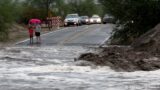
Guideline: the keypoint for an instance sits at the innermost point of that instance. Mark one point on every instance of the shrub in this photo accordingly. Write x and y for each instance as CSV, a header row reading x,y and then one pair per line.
x,y
135,16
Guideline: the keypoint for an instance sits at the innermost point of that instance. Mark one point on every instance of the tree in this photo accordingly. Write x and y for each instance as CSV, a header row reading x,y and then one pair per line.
x,y
7,8
37,9
41,4
84,7
40,8
60,8
135,16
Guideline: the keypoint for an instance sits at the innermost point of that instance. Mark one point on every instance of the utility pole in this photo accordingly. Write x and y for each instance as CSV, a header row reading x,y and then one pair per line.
x,y
48,13
48,4
47,8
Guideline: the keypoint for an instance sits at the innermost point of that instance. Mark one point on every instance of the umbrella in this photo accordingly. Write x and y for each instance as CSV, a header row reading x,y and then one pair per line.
x,y
34,21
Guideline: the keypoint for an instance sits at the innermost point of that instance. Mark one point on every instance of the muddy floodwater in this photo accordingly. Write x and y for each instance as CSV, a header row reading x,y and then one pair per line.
x,y
54,68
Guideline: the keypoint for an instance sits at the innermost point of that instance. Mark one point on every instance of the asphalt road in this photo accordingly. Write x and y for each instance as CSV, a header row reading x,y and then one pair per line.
x,y
83,35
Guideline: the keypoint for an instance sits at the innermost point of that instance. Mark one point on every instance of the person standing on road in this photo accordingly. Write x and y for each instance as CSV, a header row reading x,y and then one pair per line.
x,y
38,33
31,31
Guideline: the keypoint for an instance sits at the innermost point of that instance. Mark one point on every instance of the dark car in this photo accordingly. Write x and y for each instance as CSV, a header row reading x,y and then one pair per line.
x,y
84,19
108,19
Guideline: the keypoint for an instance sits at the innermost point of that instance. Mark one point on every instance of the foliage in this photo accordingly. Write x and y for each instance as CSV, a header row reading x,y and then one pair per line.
x,y
36,9
6,17
135,16
43,8
60,8
30,12
41,4
84,7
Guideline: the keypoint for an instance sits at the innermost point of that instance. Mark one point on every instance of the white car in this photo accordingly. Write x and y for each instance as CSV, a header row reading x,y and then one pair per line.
x,y
72,19
95,19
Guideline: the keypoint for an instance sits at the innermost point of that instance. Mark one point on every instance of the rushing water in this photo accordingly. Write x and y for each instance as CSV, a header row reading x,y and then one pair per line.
x,y
54,68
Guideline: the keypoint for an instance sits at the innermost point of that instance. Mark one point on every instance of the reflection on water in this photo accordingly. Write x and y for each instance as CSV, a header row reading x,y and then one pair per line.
x,y
53,68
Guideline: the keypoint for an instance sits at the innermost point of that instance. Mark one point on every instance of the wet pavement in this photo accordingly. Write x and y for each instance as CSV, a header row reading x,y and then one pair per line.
x,y
86,35
53,67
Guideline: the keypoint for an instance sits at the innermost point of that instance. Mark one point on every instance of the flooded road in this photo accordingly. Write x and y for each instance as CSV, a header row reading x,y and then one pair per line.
x,y
52,65
54,68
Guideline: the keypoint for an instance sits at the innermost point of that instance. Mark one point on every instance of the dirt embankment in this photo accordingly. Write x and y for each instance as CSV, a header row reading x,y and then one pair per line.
x,y
18,33
143,54
149,42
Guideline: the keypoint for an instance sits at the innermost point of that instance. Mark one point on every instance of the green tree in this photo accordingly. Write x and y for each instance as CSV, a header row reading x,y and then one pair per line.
x,y
60,8
135,16
38,9
41,4
84,7
7,8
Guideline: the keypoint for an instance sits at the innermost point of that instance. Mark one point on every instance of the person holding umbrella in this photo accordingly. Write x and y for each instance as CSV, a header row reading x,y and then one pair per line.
x,y
37,28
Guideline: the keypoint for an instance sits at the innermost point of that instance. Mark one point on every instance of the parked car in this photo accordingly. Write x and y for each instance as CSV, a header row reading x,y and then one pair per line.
x,y
95,19
72,19
84,19
108,19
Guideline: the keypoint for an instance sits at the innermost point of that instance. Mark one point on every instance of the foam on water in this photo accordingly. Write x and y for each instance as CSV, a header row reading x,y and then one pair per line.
x,y
54,68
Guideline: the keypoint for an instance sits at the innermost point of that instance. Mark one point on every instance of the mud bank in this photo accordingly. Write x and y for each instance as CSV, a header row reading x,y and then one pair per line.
x,y
123,59
142,55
